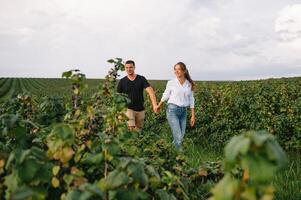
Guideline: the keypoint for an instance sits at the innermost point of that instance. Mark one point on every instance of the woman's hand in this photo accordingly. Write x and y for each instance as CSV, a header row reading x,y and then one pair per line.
x,y
192,121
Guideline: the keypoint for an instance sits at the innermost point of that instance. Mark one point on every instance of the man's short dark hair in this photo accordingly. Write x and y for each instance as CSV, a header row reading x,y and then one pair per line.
x,y
130,62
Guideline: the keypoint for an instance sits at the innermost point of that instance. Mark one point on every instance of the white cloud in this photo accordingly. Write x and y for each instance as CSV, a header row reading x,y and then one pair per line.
x,y
288,23
217,39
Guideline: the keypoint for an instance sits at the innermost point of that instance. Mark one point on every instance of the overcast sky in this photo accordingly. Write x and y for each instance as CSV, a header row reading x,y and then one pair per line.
x,y
217,39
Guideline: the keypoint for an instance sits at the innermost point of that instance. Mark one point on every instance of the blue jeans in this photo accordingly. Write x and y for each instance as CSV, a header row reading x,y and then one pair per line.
x,y
176,117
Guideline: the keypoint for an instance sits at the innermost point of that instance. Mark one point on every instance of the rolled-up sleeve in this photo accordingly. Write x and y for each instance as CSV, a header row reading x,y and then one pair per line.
x,y
167,92
191,100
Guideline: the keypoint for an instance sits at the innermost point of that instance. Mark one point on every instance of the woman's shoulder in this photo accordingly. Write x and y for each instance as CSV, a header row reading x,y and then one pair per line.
x,y
173,80
170,82
188,83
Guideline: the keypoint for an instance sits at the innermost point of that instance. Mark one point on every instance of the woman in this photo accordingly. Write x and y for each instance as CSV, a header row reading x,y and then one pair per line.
x,y
179,95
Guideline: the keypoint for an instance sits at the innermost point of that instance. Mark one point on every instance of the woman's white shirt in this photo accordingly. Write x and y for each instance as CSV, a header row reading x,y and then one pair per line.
x,y
178,94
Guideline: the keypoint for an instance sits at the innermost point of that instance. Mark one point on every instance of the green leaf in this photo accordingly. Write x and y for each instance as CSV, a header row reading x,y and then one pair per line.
x,y
64,132
113,148
130,194
124,163
55,170
225,189
68,179
22,193
38,153
74,194
28,170
11,181
67,74
237,145
24,155
276,153
44,173
259,137
151,170
119,59
164,195
249,194
114,180
136,171
92,159
91,189
260,169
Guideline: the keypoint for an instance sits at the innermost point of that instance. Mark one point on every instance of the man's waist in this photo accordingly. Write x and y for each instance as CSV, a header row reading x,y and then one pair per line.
x,y
137,108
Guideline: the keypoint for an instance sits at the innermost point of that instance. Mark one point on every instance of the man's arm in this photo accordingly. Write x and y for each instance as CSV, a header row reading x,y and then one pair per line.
x,y
152,96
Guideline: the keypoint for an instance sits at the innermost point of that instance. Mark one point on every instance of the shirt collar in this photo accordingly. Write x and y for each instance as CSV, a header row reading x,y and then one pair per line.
x,y
184,84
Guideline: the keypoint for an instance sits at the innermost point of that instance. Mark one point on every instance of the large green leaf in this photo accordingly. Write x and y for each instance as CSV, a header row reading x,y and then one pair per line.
x,y
130,194
164,195
225,189
44,173
276,153
92,159
22,193
61,135
261,170
75,194
64,132
28,170
136,171
112,147
259,137
237,145
12,181
114,180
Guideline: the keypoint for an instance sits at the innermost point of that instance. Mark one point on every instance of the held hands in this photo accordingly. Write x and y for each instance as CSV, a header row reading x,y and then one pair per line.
x,y
156,109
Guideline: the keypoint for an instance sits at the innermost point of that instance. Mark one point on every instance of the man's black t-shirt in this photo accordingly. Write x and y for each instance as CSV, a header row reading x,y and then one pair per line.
x,y
134,90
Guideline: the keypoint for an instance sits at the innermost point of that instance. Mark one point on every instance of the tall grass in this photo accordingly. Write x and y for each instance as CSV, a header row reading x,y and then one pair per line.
x,y
288,181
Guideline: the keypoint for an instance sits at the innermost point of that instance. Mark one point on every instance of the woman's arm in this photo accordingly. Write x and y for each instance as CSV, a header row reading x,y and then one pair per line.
x,y
160,104
192,101
192,119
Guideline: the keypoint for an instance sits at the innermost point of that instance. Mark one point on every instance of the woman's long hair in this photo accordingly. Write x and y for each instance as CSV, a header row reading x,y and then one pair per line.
x,y
186,74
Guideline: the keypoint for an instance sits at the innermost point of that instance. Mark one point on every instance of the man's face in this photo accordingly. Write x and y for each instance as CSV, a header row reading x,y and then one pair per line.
x,y
130,69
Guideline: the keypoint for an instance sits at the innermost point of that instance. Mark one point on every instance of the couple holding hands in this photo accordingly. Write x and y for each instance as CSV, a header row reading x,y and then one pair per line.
x,y
178,94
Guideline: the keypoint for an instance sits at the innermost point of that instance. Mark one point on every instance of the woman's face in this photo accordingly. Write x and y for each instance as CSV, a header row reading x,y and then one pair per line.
x,y
178,71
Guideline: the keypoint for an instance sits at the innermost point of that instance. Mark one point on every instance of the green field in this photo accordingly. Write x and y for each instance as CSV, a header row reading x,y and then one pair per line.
x,y
223,110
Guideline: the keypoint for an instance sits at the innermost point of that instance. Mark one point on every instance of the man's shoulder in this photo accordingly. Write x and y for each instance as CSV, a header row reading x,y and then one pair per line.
x,y
141,77
123,78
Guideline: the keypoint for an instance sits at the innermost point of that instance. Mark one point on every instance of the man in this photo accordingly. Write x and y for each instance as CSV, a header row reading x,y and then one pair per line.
x,y
133,85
